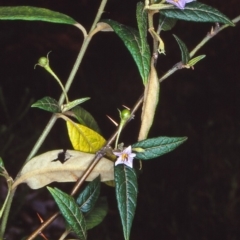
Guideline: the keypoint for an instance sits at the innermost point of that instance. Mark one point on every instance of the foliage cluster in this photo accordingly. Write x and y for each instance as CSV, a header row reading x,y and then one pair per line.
x,y
94,158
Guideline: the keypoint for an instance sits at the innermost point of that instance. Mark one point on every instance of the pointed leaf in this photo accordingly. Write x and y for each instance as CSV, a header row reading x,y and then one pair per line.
x,y
132,41
48,104
166,23
151,97
184,50
88,197
1,164
70,212
29,13
155,147
195,60
142,22
84,139
142,26
197,12
73,104
96,216
126,193
85,118
47,168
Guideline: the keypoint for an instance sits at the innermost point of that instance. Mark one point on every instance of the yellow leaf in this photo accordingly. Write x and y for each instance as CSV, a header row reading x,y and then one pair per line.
x,y
110,183
84,139
46,168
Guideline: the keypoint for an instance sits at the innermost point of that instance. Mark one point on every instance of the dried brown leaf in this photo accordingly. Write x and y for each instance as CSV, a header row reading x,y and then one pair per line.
x,y
104,27
46,168
151,96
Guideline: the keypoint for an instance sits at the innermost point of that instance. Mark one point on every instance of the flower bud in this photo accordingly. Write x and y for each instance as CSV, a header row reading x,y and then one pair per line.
x,y
125,114
43,62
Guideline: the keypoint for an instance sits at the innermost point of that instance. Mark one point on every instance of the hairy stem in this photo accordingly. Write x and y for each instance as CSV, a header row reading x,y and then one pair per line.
x,y
83,49
98,156
101,153
210,35
68,83
6,214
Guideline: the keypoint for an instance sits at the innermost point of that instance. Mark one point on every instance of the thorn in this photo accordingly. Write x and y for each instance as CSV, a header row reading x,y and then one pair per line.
x,y
126,107
41,220
43,236
217,25
115,123
40,233
214,30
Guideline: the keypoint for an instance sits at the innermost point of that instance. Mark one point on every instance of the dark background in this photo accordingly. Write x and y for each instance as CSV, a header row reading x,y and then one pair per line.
x,y
191,193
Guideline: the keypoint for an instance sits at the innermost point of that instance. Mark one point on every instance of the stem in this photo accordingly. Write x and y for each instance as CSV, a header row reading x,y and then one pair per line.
x,y
170,72
150,29
83,49
41,138
8,194
68,83
59,82
98,156
6,214
117,137
78,25
81,180
110,141
215,31
64,235
44,225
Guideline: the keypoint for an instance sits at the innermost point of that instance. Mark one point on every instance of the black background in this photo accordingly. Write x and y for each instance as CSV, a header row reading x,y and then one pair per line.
x,y
191,193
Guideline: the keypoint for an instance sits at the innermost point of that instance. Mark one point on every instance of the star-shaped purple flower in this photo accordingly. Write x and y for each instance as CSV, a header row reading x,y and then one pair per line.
x,y
125,157
179,3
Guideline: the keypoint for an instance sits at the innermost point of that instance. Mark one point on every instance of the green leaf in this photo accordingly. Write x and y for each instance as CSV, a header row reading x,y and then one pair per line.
x,y
48,104
1,164
142,22
142,27
155,147
29,13
133,42
70,105
197,12
87,199
184,50
166,23
70,212
99,212
195,60
126,193
85,118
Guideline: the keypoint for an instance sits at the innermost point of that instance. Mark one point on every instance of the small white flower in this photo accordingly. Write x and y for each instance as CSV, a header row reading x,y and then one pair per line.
x,y
179,3
125,157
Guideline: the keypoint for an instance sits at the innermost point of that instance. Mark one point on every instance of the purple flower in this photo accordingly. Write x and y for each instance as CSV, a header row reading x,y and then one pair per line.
x,y
179,3
125,157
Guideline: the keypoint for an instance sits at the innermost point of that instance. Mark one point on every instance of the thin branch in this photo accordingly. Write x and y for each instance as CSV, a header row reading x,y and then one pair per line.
x,y
102,152
67,86
210,35
78,25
